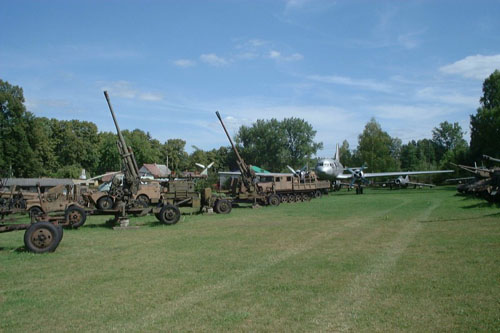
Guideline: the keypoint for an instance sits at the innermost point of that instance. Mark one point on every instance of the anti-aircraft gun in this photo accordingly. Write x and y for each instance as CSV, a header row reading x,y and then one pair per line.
x,y
489,158
131,180
487,184
248,176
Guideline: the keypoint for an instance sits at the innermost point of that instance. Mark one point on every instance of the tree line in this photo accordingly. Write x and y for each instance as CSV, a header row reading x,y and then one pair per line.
x,y
40,147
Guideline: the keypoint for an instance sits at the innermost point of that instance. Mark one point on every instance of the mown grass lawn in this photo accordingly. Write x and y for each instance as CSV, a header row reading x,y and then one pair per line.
x,y
409,260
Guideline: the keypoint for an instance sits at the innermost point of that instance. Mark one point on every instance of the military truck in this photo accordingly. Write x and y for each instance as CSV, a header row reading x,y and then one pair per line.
x,y
61,198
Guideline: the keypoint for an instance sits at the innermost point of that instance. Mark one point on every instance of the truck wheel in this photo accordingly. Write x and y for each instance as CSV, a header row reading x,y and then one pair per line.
x,y
169,214
105,202
223,206
306,197
42,237
317,194
143,200
298,197
76,216
273,200
291,198
284,198
35,211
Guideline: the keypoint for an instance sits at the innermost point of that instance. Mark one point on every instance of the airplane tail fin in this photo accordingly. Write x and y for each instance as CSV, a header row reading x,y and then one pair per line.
x,y
337,153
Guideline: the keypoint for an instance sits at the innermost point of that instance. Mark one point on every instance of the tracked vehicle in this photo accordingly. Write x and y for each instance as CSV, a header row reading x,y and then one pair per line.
x,y
267,189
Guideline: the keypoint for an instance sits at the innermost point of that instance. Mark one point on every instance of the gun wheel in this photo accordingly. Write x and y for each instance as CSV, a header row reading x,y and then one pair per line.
x,y
169,214
76,216
273,200
105,202
42,237
223,206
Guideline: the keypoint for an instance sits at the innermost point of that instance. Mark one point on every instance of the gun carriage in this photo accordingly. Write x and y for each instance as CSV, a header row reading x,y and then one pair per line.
x,y
487,183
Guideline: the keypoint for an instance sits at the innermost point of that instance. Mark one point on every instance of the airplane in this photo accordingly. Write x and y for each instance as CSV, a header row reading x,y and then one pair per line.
x,y
332,169
402,182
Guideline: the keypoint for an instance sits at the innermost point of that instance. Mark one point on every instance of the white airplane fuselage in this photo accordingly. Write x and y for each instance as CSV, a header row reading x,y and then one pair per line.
x,y
329,169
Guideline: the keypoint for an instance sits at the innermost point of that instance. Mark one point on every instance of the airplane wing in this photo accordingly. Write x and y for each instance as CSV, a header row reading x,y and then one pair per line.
x,y
421,184
237,173
344,176
402,173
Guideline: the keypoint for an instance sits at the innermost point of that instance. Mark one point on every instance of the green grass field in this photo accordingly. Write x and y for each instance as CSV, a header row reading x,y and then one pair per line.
x,y
408,260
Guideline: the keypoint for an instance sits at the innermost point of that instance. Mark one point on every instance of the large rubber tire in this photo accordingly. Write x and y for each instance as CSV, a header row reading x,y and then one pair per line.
x,y
76,216
42,237
105,202
144,200
223,206
273,200
169,214
318,194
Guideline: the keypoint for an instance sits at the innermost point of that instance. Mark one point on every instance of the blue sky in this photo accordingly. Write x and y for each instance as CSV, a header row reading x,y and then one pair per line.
x,y
169,65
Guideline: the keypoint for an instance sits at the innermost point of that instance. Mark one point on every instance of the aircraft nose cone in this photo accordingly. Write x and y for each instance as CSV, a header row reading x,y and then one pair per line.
x,y
321,170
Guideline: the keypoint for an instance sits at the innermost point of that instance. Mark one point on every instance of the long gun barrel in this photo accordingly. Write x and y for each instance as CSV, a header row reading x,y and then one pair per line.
x,y
491,158
482,172
246,174
132,177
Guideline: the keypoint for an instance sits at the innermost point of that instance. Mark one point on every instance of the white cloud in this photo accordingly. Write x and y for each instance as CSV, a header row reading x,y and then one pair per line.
x,y
410,40
213,60
432,94
184,63
149,96
125,89
474,67
361,83
276,55
120,89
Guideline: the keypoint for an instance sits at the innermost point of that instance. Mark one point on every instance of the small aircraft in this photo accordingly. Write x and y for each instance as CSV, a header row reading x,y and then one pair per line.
x,y
332,169
402,182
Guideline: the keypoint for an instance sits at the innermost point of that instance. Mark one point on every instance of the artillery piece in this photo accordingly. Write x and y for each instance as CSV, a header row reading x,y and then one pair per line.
x,y
268,189
487,184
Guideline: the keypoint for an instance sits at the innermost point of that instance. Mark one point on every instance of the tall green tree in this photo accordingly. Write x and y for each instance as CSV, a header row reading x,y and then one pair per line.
x,y
16,151
485,124
377,149
346,156
173,150
109,158
450,144
273,144
145,148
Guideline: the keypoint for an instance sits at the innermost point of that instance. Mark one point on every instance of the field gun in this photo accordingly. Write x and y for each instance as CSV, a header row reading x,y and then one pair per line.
x,y
488,184
248,176
131,179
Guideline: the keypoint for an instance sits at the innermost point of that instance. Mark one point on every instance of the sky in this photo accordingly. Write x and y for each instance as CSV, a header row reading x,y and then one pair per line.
x,y
169,65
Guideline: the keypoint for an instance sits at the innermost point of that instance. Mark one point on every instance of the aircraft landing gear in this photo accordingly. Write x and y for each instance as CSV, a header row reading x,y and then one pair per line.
x,y
359,189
